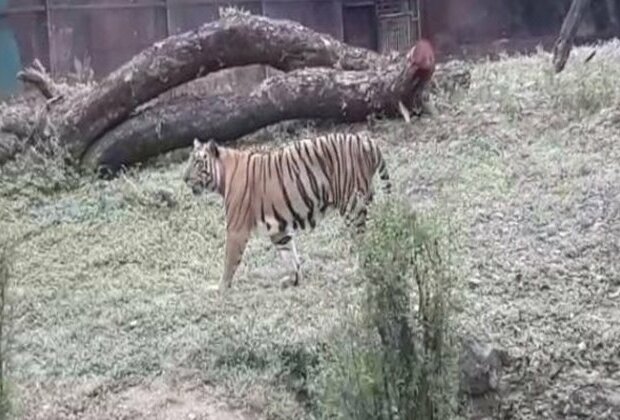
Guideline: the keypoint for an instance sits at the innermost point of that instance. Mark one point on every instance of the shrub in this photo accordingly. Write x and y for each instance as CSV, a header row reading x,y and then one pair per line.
x,y
7,247
395,361
44,170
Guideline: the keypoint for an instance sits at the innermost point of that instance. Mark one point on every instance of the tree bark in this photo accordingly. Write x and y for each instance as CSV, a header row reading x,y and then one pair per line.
x,y
347,96
564,42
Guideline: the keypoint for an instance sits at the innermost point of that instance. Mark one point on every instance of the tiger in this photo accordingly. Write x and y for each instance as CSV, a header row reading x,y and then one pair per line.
x,y
286,189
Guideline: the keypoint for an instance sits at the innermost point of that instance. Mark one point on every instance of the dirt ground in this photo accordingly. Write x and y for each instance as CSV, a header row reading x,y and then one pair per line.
x,y
181,397
114,313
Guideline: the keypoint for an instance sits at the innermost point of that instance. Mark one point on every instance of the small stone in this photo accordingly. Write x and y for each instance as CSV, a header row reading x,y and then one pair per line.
x,y
481,367
474,283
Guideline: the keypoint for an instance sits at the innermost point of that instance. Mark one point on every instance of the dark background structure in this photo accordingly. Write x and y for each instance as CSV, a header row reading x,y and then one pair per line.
x,y
69,35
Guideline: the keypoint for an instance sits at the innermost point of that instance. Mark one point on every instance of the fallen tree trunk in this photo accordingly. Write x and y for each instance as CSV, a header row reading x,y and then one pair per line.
x,y
564,43
100,125
235,40
347,96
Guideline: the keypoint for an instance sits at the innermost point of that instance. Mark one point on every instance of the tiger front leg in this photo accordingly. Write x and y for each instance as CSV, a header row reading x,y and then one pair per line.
x,y
285,245
235,245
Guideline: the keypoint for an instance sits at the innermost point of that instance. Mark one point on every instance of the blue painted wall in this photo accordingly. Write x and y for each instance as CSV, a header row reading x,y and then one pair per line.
x,y
10,61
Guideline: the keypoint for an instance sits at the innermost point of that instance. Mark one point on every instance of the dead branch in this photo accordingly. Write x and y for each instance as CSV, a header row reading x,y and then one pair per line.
x,y
564,42
37,76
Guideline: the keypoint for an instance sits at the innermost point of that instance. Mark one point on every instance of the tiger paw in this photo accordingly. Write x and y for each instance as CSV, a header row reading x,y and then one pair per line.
x,y
222,291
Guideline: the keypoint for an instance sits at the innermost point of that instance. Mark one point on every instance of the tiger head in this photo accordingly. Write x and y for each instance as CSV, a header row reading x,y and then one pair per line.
x,y
204,168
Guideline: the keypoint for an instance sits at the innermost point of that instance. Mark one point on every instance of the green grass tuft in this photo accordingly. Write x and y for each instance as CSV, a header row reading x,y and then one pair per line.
x,y
399,362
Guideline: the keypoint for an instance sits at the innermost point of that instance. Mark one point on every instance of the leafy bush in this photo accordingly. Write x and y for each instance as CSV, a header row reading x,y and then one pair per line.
x,y
45,170
396,361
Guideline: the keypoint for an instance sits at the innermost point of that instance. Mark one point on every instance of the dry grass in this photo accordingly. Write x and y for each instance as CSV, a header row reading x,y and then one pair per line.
x,y
118,290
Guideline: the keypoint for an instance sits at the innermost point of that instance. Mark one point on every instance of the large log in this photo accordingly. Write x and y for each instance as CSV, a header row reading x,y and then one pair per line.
x,y
105,124
235,40
564,42
347,96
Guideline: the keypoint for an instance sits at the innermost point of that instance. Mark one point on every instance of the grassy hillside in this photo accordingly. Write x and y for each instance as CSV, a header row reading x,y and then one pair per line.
x,y
113,311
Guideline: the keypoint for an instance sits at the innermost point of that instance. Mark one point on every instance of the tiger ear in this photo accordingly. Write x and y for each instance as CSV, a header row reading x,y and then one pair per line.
x,y
213,149
196,144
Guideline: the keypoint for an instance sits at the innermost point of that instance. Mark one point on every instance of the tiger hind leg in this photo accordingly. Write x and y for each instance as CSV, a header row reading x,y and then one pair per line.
x,y
285,245
235,245
357,212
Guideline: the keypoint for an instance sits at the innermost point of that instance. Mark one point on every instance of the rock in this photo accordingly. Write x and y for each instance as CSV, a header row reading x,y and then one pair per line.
x,y
165,197
474,283
481,367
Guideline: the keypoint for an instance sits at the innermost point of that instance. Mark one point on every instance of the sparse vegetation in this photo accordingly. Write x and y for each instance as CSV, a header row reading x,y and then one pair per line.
x,y
42,170
7,249
4,280
119,289
398,362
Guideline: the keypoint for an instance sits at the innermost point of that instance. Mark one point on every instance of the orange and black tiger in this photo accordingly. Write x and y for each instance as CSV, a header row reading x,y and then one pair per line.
x,y
287,189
